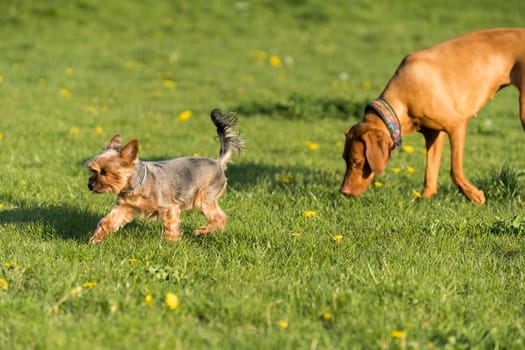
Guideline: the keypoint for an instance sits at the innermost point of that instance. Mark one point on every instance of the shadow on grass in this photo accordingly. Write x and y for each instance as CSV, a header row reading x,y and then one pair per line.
x,y
56,220
67,221
247,176
304,107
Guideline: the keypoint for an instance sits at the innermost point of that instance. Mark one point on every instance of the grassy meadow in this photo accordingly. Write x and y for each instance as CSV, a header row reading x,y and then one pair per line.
x,y
298,266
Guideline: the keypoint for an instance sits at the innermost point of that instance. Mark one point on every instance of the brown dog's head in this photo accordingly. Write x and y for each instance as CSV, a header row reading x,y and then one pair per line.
x,y
367,150
111,170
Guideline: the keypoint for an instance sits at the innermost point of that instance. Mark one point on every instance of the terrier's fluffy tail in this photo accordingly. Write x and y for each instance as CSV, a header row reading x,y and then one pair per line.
x,y
228,137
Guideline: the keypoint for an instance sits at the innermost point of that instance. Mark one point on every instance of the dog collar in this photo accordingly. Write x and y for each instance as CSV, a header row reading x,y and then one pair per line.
x,y
389,117
142,178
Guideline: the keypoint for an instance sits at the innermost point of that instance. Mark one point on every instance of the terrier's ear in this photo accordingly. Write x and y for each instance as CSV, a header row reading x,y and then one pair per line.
x,y
115,143
129,153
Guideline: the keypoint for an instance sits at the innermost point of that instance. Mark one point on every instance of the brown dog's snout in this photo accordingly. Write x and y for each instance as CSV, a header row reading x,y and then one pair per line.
x,y
355,182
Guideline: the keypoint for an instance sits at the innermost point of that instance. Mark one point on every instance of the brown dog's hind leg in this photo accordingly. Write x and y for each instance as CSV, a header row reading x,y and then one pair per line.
x,y
457,143
434,141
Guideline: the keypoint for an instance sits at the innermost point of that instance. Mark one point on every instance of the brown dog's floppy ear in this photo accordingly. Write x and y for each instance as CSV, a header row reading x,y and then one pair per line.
x,y
114,143
129,153
377,150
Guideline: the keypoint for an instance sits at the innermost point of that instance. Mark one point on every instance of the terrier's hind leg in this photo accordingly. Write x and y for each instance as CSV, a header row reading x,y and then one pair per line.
x,y
216,218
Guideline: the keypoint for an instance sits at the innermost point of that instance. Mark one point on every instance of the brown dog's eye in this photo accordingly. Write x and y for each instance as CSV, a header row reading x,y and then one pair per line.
x,y
103,171
357,163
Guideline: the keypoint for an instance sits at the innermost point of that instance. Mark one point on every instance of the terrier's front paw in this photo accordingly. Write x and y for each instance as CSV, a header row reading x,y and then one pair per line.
x,y
96,238
172,236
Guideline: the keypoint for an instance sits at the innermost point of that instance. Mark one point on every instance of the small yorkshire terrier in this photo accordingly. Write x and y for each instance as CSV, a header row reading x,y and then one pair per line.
x,y
163,189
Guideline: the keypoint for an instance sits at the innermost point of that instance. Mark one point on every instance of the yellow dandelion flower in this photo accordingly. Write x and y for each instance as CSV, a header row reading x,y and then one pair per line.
x,y
275,61
3,284
91,109
184,115
74,130
64,93
366,85
168,84
11,265
89,284
337,238
378,184
295,234
398,334
75,291
311,145
132,260
416,194
309,214
98,130
171,301
285,179
148,299
327,316
1,79
69,71
396,170
282,324
339,144
408,149
42,81
1,136
411,170
1,205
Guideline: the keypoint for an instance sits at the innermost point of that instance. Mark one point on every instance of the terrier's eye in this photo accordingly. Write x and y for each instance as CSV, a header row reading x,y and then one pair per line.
x,y
103,171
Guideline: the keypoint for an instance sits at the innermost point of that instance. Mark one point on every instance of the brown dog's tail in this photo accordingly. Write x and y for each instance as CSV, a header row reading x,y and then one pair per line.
x,y
228,137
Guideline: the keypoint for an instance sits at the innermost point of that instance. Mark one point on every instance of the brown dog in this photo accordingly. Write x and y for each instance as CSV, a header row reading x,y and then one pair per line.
x,y
435,92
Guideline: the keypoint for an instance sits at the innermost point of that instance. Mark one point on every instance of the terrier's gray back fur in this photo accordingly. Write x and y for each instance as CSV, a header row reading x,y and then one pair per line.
x,y
184,177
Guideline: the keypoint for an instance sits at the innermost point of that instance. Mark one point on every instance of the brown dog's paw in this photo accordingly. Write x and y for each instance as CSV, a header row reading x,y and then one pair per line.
x,y
477,197
427,193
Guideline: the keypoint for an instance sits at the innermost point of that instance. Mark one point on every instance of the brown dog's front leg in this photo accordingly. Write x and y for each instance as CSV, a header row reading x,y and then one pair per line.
x,y
117,217
434,141
522,105
457,144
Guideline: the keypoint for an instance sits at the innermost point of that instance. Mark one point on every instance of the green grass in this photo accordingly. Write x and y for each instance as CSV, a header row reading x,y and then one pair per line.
x,y
407,273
